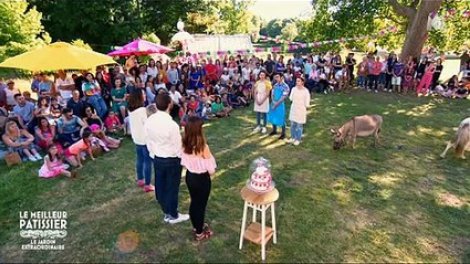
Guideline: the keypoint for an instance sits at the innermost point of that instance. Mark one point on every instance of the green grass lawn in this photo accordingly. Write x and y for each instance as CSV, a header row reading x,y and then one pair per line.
x,y
399,202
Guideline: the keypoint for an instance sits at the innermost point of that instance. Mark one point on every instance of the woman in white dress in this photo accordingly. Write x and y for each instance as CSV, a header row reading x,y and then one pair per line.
x,y
261,96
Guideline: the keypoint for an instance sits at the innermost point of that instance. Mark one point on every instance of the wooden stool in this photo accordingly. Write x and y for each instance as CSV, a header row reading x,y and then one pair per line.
x,y
258,232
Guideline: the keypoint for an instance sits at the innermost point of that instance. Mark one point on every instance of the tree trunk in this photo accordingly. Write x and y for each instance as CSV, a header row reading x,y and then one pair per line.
x,y
417,18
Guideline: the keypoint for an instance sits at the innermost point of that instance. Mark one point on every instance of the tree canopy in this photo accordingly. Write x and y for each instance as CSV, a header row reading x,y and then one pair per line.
x,y
334,19
121,20
20,29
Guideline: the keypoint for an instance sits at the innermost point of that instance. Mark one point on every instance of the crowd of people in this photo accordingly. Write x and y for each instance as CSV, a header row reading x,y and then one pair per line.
x,y
77,114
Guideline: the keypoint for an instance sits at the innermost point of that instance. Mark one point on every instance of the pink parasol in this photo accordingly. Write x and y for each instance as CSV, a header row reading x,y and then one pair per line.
x,y
140,47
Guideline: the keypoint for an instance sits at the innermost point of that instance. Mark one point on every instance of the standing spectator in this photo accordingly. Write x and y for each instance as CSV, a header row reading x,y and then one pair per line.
x,y
392,59
350,61
173,74
375,68
143,73
269,66
211,71
35,83
46,86
91,90
200,165
137,119
79,80
398,69
409,72
280,66
65,86
425,83
163,140
437,73
152,69
10,93
3,94
362,72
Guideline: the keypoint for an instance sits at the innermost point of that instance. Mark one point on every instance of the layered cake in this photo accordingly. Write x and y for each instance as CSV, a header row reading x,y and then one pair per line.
x,y
261,180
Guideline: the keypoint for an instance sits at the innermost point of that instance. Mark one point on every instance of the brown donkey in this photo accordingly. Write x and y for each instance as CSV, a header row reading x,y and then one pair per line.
x,y
358,126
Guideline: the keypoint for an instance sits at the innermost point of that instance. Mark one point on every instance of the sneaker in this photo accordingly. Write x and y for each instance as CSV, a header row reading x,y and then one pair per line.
x,y
272,133
166,218
38,157
376,91
140,183
257,129
289,140
106,149
203,236
181,218
149,188
282,137
296,142
325,92
389,90
263,130
32,158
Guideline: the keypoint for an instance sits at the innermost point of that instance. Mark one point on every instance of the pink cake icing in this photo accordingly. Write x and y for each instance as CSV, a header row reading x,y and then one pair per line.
x,y
261,180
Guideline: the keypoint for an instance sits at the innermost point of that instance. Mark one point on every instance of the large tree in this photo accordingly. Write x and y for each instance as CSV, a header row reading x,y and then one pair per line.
x,y
334,19
416,17
20,29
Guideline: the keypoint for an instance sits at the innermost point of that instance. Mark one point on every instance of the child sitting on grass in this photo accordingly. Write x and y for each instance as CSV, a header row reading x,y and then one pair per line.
x,y
73,153
218,108
53,165
113,124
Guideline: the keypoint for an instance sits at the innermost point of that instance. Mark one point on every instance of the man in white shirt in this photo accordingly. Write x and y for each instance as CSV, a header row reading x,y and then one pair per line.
x,y
163,140
65,86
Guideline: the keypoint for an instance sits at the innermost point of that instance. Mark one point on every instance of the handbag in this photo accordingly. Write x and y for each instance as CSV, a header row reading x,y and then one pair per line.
x,y
12,158
96,150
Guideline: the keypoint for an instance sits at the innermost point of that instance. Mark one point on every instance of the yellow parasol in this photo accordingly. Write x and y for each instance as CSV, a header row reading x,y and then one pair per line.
x,y
57,56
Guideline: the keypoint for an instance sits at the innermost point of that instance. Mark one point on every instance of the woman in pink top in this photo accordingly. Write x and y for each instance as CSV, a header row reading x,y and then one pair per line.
x,y
423,86
72,153
200,165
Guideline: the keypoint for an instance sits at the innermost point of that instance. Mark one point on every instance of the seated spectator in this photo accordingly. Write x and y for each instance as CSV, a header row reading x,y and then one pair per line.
x,y
68,127
45,133
21,141
43,108
24,111
218,108
77,105
73,153
94,122
56,108
119,97
112,123
27,97
92,92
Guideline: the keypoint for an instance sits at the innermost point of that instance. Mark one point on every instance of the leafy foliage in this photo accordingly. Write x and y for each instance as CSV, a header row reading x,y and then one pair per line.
x,y
80,43
20,29
289,32
224,17
335,19
121,20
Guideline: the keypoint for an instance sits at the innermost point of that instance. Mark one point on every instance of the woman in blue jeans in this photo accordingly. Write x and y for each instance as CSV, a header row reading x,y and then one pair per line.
x,y
92,90
137,118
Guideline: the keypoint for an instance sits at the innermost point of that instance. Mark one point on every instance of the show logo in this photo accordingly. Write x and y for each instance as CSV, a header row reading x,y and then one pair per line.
x,y
45,230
